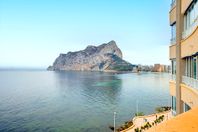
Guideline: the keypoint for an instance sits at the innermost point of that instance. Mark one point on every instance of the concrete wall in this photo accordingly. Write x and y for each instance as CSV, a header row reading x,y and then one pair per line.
x,y
172,15
185,4
189,95
189,46
172,88
172,51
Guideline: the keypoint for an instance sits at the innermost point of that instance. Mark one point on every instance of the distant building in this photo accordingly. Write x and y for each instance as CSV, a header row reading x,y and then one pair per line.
x,y
153,68
145,68
135,68
160,68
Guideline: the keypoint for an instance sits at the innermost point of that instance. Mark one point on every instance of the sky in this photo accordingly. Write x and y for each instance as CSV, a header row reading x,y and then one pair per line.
x,y
34,32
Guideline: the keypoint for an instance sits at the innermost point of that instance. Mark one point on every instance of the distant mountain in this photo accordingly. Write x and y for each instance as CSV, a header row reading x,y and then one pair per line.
x,y
105,57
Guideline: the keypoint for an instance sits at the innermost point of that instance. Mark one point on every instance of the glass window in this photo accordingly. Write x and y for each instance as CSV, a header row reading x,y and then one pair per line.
x,y
173,31
194,68
188,20
185,23
186,107
191,16
173,103
190,67
173,66
196,10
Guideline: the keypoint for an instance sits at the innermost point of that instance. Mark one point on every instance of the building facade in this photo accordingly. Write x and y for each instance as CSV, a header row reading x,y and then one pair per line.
x,y
183,54
160,68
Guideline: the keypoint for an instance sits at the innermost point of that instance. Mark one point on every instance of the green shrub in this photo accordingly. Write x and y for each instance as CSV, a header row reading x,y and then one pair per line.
x,y
159,109
126,125
139,114
137,130
153,123
162,109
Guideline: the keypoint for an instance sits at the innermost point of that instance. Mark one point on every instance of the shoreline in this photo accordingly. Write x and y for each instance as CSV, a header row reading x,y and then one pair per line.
x,y
107,71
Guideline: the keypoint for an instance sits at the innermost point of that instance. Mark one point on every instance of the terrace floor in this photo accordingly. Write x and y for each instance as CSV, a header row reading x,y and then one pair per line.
x,y
142,120
186,122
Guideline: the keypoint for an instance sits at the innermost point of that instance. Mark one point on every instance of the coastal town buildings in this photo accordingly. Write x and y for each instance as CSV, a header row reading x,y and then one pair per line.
x,y
153,68
145,68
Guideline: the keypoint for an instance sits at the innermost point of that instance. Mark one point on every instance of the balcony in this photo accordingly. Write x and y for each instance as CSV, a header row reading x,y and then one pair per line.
x,y
172,77
172,16
190,30
173,4
172,51
191,82
173,41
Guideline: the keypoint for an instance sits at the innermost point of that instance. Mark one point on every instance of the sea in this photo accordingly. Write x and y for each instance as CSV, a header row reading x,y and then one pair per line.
x,y
69,101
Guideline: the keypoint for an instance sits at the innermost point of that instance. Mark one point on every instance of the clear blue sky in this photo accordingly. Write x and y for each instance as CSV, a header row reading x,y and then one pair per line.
x,y
34,32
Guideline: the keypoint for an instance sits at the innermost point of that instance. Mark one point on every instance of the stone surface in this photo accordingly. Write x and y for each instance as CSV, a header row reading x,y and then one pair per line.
x,y
104,57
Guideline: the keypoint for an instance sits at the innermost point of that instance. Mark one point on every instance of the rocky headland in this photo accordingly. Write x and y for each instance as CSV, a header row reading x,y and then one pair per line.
x,y
106,57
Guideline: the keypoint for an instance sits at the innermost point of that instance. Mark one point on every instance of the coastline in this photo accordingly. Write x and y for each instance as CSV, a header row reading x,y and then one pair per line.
x,y
108,71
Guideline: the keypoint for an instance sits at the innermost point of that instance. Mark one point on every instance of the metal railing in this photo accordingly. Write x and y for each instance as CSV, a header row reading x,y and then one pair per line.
x,y
173,112
191,82
172,77
173,41
173,4
190,29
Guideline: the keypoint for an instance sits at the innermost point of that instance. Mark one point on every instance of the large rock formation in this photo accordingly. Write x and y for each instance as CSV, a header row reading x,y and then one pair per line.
x,y
101,58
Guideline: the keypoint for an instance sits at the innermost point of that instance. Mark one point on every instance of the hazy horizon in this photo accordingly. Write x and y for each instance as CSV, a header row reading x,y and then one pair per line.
x,y
33,33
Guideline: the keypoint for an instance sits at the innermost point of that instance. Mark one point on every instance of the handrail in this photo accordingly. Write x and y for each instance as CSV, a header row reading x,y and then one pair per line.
x,y
173,41
191,82
173,4
172,77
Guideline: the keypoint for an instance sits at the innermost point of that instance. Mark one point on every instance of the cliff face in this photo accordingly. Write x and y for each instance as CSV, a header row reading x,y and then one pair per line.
x,y
104,57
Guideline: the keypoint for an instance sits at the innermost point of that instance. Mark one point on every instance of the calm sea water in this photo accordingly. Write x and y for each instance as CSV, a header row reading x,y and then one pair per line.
x,y
76,101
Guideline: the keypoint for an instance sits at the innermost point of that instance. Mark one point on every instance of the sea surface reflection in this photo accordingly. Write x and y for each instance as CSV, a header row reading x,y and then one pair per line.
x,y
76,101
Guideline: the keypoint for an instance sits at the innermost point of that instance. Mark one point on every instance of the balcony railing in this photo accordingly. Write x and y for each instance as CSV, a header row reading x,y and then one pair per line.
x,y
191,29
173,112
173,41
191,82
172,77
173,4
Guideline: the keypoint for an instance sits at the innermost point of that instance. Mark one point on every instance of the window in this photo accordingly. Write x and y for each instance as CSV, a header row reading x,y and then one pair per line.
x,y
189,66
186,107
173,103
191,15
194,67
196,10
173,31
173,66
